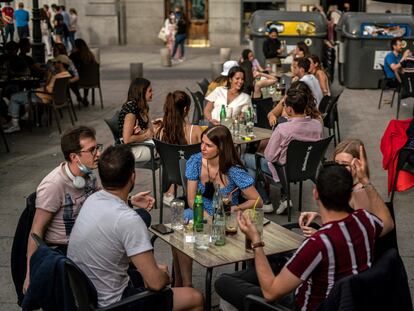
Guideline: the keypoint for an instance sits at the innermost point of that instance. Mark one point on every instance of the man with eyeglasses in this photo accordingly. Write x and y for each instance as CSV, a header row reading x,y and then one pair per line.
x,y
61,194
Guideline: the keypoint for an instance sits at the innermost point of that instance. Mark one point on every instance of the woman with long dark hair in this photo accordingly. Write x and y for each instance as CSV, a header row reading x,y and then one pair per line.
x,y
134,120
217,164
231,96
320,74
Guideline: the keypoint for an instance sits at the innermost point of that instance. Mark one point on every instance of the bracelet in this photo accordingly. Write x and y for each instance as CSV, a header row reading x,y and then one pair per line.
x,y
257,244
367,185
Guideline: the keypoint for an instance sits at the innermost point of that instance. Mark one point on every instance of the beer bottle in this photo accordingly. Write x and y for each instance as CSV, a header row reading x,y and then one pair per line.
x,y
198,209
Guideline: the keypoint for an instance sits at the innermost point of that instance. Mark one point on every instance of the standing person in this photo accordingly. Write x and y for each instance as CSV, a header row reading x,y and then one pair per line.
x,y
217,163
272,47
320,74
66,21
59,25
170,26
73,26
108,237
230,96
7,16
180,35
22,21
175,127
393,60
134,120
46,28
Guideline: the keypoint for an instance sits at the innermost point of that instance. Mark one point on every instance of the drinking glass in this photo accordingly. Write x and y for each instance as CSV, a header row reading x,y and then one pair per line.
x,y
202,238
231,223
256,217
177,214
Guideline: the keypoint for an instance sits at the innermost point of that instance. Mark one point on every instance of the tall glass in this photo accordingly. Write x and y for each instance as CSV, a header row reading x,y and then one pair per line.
x,y
203,237
256,217
177,214
231,223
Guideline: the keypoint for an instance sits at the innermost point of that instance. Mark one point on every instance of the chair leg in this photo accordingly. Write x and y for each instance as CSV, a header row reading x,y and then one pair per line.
x,y
70,115
380,100
93,97
57,119
337,129
73,108
392,100
398,105
160,200
5,140
100,96
300,195
289,208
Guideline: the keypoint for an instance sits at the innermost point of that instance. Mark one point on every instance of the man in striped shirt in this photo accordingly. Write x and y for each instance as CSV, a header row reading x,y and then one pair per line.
x,y
343,246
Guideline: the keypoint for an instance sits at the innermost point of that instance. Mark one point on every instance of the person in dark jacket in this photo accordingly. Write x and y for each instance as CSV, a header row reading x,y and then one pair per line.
x,y
272,47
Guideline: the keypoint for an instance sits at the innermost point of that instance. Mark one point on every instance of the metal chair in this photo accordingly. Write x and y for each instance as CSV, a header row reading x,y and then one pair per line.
x,y
262,107
153,164
302,162
203,84
198,99
60,100
385,84
331,119
89,78
170,157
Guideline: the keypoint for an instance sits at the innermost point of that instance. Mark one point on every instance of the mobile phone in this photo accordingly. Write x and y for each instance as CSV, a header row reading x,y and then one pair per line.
x,y
161,228
266,222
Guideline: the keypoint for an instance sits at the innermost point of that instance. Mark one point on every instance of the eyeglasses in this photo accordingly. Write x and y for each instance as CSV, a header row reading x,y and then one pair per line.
x,y
94,150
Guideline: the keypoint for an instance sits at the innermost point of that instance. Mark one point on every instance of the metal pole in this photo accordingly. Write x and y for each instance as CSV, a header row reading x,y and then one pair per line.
x,y
38,49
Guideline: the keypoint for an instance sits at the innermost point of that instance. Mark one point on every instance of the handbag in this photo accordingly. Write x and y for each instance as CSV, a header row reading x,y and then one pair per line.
x,y
162,35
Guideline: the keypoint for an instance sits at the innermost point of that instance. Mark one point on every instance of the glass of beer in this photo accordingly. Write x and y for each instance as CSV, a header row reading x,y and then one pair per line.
x,y
256,217
231,223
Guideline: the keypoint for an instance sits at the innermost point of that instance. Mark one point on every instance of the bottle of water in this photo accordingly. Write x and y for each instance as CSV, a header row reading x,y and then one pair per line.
x,y
219,223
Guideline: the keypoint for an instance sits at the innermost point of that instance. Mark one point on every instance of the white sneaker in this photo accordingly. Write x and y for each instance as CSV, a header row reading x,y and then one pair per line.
x,y
25,117
283,206
267,208
167,198
12,129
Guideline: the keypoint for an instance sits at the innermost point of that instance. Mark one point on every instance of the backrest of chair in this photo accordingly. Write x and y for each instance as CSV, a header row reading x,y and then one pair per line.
x,y
383,70
114,127
198,99
262,107
304,157
60,91
203,84
89,75
331,112
170,156
324,104
82,288
182,164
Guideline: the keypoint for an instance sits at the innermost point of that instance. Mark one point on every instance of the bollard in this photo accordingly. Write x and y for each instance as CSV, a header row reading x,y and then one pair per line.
x,y
165,57
225,54
97,54
216,69
136,70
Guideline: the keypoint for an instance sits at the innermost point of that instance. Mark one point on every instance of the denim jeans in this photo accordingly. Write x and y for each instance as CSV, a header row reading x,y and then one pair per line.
x,y
20,99
179,41
9,31
249,160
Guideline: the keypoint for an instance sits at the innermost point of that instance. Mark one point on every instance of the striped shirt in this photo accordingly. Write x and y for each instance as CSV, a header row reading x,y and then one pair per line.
x,y
338,249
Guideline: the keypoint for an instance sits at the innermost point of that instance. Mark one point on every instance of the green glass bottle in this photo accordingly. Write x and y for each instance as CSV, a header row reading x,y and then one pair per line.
x,y
198,208
222,114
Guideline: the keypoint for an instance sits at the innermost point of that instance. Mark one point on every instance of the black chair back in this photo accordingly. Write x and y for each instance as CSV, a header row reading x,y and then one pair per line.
x,y
302,160
198,99
324,104
203,84
262,107
89,76
83,290
60,91
183,163
389,240
114,127
170,156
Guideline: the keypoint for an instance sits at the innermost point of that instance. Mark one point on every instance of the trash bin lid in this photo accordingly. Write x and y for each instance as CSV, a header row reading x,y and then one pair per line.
x,y
356,25
288,23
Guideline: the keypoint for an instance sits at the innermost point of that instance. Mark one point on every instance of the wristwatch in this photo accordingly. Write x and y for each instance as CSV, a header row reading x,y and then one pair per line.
x,y
258,244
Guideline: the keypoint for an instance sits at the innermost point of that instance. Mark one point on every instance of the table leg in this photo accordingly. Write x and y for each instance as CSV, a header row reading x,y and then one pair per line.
x,y
209,274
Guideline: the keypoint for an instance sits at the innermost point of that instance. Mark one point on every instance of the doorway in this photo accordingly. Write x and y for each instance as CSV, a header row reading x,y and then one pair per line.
x,y
196,12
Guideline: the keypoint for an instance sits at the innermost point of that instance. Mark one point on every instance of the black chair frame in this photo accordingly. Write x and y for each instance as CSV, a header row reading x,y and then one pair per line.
x,y
198,113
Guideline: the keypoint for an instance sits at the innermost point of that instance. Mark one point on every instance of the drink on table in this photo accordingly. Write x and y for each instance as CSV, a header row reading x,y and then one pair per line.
x,y
231,218
256,217
198,208
218,236
177,214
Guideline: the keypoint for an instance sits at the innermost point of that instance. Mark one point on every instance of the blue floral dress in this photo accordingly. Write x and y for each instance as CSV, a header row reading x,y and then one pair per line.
x,y
237,177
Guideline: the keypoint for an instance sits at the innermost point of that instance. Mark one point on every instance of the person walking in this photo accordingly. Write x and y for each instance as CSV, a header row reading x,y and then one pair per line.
x,y
73,26
21,17
180,35
7,16
46,29
170,26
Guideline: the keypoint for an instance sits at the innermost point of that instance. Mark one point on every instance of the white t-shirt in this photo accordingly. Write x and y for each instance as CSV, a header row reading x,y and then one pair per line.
x,y
314,85
219,97
106,233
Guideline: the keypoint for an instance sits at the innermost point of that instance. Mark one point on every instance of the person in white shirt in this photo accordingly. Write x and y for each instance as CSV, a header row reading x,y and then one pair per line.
x,y
300,68
231,96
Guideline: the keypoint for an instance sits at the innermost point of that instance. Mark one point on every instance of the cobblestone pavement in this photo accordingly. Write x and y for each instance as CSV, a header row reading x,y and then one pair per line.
x,y
34,154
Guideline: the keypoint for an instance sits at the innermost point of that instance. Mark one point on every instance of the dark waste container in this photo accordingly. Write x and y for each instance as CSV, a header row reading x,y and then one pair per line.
x,y
310,27
364,41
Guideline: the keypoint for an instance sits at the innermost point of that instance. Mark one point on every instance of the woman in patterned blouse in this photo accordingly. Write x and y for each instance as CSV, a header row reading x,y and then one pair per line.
x,y
134,123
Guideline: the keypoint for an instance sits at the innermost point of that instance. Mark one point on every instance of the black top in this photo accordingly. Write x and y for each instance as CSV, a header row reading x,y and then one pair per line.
x,y
131,107
270,47
181,27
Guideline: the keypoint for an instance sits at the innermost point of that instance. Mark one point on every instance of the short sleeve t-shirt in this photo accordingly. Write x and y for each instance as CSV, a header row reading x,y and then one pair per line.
x,y
219,97
106,233
7,11
21,17
131,107
388,61
338,249
314,85
56,194
237,178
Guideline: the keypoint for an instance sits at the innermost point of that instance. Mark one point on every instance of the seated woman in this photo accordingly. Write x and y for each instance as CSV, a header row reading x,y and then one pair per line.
x,y
320,74
301,50
262,80
222,79
218,163
175,128
134,120
230,96
255,63
80,56
346,152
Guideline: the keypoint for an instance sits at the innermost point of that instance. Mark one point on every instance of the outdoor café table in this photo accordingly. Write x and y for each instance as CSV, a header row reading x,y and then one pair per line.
x,y
259,134
277,240
25,83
